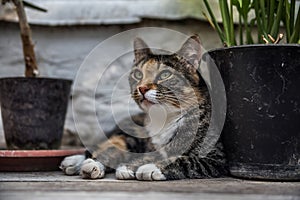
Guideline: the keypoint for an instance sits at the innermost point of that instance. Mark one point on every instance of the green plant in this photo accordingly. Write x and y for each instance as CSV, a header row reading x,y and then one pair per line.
x,y
31,68
268,16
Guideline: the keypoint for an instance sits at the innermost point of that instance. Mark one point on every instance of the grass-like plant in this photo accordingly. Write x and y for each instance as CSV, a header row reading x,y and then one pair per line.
x,y
269,15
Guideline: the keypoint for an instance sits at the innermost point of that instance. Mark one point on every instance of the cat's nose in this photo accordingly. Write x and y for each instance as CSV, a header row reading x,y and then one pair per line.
x,y
143,89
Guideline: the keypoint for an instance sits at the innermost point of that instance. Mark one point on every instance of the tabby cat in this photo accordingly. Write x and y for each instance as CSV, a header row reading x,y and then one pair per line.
x,y
166,142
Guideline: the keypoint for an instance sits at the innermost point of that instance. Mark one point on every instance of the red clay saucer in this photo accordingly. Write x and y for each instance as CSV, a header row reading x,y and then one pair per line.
x,y
34,160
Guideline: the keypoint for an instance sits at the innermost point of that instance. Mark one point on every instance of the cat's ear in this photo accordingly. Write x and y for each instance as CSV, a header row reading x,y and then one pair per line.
x,y
191,51
141,49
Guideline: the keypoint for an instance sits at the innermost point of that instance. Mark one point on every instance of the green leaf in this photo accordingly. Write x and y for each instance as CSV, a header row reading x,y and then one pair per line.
x,y
33,6
246,7
296,33
240,2
271,15
227,22
214,21
241,30
232,33
292,14
276,24
236,3
263,14
268,17
286,20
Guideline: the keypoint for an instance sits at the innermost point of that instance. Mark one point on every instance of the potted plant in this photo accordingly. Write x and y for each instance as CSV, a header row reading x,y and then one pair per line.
x,y
261,134
33,108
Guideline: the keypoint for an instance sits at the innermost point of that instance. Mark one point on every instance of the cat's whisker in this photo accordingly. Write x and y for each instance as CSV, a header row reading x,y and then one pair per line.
x,y
192,100
168,92
135,95
172,103
182,101
178,96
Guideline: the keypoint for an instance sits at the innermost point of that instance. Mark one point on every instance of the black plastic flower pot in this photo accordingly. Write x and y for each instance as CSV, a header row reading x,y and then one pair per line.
x,y
261,134
33,111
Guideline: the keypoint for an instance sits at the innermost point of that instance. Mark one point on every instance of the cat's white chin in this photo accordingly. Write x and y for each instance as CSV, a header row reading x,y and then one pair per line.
x,y
146,104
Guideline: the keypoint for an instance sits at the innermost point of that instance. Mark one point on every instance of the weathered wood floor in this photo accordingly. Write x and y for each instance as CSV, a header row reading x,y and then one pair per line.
x,y
54,185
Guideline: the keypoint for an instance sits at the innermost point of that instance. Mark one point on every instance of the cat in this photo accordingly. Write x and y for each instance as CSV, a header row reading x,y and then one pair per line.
x,y
166,142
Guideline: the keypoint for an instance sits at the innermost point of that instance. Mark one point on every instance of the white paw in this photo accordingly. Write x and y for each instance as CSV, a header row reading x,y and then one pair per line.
x,y
71,165
149,172
123,173
92,169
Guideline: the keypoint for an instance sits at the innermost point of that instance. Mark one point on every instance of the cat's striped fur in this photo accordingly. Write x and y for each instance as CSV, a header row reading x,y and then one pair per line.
x,y
168,141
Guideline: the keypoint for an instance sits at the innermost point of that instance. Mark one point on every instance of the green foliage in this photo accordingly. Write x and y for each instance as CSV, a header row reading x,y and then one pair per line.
x,y
269,15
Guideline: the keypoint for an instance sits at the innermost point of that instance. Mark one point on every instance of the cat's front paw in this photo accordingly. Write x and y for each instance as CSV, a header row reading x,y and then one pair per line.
x,y
124,172
149,172
92,169
71,165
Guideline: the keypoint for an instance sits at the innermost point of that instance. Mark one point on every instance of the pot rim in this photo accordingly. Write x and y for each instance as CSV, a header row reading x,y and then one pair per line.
x,y
247,46
250,46
35,78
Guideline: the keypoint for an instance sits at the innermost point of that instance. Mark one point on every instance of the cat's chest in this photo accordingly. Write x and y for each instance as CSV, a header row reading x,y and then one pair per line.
x,y
161,132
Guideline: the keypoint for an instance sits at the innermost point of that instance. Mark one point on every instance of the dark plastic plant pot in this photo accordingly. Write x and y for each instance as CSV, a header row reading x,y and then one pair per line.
x,y
261,133
33,111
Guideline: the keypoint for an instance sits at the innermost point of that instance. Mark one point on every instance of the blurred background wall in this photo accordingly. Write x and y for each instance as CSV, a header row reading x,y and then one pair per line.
x,y
70,29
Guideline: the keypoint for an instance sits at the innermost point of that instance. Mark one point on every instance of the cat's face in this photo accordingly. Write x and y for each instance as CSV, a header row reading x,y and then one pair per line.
x,y
171,81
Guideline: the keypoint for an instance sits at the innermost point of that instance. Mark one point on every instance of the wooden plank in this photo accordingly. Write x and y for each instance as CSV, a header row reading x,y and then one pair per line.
x,y
56,181
74,195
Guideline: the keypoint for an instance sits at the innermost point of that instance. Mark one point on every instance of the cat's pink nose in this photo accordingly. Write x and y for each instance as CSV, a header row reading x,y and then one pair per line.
x,y
143,89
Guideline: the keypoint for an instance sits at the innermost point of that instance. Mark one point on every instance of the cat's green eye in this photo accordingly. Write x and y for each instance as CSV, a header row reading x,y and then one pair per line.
x,y
165,74
137,74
